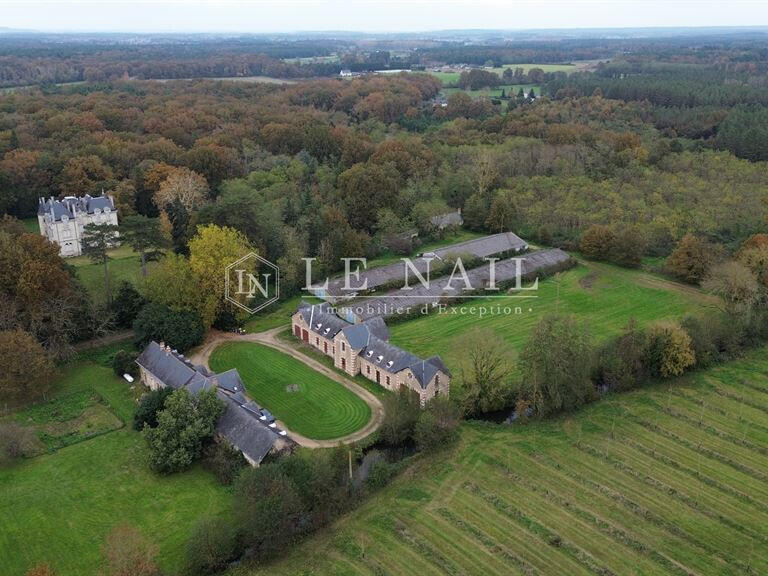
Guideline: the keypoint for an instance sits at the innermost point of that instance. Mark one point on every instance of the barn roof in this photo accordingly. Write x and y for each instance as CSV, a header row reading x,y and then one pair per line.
x,y
242,428
442,288
240,423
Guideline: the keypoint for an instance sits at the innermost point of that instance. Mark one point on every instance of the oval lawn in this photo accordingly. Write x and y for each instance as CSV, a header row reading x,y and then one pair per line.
x,y
307,402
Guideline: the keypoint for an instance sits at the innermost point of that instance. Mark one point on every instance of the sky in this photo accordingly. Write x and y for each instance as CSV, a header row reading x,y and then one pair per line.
x,y
372,16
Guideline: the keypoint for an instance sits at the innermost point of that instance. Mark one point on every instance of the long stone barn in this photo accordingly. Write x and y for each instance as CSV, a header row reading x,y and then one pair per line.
x,y
495,245
364,349
400,302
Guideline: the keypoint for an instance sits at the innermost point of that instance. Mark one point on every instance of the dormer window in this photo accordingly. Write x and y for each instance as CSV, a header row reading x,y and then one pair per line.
x,y
318,326
369,353
327,330
389,364
379,358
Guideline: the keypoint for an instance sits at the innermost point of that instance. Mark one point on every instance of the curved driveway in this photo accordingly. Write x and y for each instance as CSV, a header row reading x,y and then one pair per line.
x,y
269,338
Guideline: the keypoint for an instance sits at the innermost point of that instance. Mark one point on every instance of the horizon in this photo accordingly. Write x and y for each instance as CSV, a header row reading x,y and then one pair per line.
x,y
366,17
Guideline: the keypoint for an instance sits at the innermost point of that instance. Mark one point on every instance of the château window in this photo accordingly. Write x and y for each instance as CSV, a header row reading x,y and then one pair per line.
x,y
343,347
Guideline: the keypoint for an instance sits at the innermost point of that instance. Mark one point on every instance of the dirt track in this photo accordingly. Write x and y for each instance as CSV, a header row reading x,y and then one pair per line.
x,y
269,338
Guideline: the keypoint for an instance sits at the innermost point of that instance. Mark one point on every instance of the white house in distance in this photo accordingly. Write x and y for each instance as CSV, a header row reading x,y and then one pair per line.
x,y
62,221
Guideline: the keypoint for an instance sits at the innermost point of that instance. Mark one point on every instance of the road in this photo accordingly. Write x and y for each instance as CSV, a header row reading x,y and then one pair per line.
x,y
269,338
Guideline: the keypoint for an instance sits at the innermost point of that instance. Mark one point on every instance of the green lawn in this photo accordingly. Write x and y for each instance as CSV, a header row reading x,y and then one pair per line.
x,y
124,265
31,224
604,296
320,408
59,507
277,314
666,480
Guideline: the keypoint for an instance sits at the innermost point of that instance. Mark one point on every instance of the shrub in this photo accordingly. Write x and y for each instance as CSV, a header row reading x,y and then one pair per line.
x,y
690,260
182,426
269,513
224,461
211,547
401,412
127,304
704,334
628,247
124,362
621,362
150,404
556,364
380,475
180,329
597,242
437,425
16,441
669,351
26,368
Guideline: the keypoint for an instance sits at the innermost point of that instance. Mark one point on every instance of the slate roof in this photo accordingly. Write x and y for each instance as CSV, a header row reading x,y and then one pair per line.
x,y
167,367
244,430
71,205
393,360
484,247
240,423
448,219
371,335
320,320
442,288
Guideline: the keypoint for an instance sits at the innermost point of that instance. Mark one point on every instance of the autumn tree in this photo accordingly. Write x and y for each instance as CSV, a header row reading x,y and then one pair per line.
x,y
211,250
735,284
97,240
26,369
85,175
597,242
185,186
173,282
669,350
690,260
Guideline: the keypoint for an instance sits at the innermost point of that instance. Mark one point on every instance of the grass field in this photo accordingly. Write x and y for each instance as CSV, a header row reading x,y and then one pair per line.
x,y
604,296
320,408
672,479
124,265
59,507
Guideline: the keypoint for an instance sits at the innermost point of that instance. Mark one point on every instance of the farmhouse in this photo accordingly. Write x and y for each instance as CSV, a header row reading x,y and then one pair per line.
x,y
495,245
63,221
244,424
364,349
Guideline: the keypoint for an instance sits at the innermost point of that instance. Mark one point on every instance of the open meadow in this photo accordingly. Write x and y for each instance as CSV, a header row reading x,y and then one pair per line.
x,y
306,401
604,296
124,265
670,479
93,475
